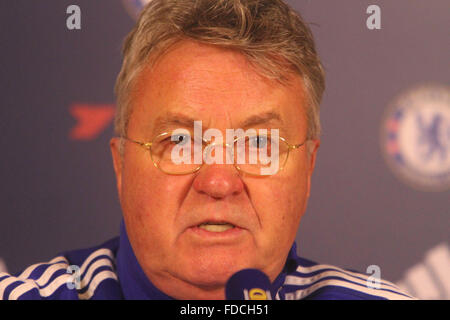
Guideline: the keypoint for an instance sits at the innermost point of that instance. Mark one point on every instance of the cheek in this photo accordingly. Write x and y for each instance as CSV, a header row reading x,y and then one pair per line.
x,y
289,199
150,202
280,205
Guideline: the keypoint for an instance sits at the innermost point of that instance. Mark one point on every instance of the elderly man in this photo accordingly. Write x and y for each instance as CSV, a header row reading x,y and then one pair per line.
x,y
188,226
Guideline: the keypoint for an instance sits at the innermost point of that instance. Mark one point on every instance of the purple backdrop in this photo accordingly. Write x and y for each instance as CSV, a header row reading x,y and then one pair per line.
x,y
57,182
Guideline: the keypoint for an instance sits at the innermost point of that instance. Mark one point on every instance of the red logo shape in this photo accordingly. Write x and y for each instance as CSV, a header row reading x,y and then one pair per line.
x,y
92,119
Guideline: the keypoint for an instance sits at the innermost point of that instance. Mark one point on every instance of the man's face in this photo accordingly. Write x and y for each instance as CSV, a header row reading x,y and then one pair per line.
x,y
162,212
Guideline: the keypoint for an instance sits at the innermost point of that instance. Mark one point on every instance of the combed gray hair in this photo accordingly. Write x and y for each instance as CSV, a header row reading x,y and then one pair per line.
x,y
269,33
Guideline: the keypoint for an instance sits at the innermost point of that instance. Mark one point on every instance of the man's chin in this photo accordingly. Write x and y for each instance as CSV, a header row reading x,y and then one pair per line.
x,y
213,271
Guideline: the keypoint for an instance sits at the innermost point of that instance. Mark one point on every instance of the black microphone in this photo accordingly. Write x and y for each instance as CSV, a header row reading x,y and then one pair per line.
x,y
248,284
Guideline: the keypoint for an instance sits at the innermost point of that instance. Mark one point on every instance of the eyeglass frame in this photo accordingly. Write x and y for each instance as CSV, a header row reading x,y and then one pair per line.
x,y
148,146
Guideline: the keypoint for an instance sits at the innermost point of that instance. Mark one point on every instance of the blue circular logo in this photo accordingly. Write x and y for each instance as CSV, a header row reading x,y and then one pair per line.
x,y
416,137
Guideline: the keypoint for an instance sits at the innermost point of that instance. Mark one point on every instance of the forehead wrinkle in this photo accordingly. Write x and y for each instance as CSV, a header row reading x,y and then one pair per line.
x,y
215,94
203,84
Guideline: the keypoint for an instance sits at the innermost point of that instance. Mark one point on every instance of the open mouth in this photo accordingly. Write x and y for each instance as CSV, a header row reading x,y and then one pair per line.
x,y
216,226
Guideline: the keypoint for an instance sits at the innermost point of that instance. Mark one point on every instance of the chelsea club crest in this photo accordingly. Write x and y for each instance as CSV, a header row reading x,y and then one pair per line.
x,y
416,137
134,7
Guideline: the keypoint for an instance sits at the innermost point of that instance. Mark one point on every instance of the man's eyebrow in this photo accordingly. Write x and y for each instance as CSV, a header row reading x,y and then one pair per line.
x,y
171,121
178,120
263,118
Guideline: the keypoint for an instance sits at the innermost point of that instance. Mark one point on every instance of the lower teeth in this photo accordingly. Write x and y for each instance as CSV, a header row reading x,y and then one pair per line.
x,y
216,227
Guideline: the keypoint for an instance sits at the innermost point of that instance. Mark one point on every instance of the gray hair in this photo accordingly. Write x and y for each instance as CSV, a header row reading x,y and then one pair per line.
x,y
269,33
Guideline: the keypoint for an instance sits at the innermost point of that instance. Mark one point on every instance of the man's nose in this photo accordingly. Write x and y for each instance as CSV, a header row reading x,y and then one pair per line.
x,y
218,181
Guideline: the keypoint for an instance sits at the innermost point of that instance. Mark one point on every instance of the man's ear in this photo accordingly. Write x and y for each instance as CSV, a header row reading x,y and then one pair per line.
x,y
114,144
313,146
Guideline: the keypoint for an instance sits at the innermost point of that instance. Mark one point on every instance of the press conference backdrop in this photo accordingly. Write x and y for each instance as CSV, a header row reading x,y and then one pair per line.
x,y
380,192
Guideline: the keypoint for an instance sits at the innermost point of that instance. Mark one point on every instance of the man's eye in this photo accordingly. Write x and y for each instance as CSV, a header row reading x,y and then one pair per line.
x,y
258,142
179,139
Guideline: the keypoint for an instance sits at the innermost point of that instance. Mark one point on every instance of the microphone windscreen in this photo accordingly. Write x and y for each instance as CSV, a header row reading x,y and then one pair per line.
x,y
248,284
